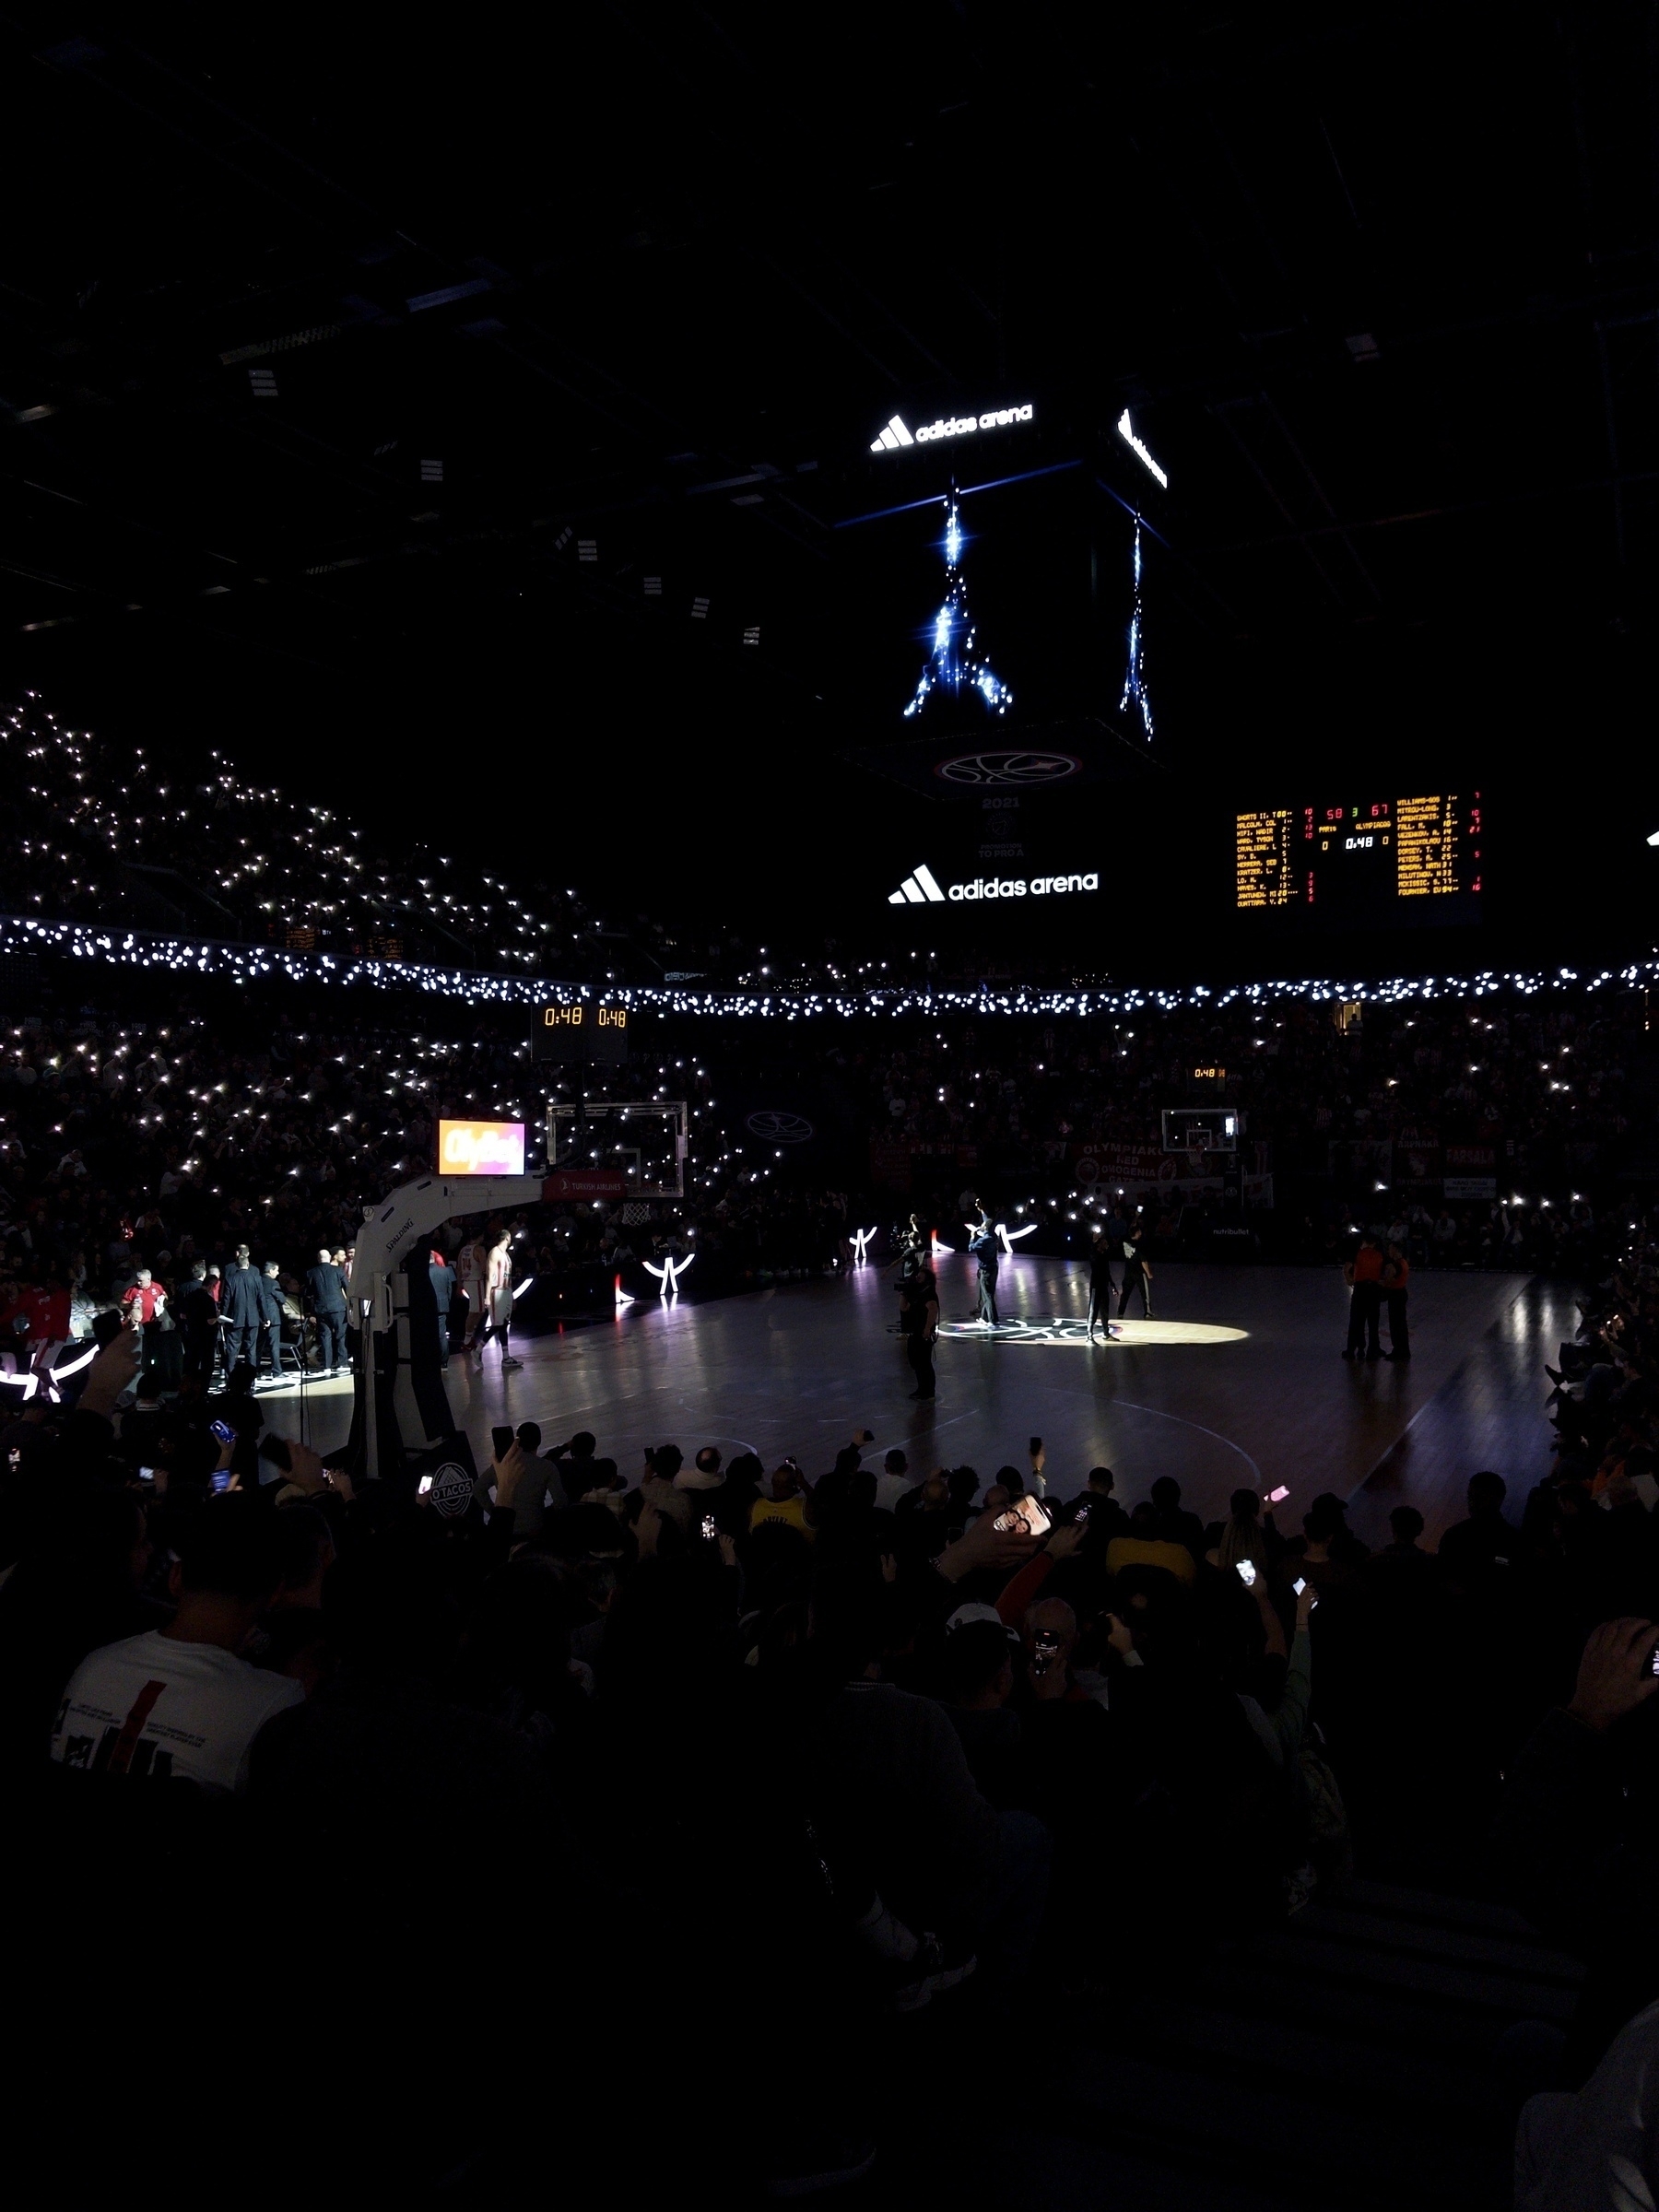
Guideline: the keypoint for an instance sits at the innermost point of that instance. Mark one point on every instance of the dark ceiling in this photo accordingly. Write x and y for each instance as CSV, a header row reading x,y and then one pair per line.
x,y
327,346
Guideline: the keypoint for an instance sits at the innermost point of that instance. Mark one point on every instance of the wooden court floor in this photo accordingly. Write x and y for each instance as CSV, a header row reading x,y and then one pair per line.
x,y
1269,1400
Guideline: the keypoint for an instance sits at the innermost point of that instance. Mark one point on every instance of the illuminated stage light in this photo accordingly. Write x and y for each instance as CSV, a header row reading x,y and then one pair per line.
x,y
861,1245
669,1273
1011,1237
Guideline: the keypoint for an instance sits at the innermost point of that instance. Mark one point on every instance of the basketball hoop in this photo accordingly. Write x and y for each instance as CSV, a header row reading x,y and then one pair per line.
x,y
1196,1130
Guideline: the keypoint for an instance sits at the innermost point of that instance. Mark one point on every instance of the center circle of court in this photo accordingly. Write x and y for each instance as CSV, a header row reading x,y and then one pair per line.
x,y
1071,1331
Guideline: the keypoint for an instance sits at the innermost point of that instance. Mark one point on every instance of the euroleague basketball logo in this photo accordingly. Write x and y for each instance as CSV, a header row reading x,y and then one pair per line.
x,y
778,1128
981,770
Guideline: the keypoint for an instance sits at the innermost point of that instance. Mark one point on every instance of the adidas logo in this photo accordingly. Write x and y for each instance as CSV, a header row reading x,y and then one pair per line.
x,y
963,426
919,889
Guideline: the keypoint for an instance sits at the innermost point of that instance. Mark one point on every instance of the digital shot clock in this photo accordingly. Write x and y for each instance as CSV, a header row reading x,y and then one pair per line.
x,y
579,1031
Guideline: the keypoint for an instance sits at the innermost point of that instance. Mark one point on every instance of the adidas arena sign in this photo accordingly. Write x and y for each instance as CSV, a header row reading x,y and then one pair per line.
x,y
898,433
922,887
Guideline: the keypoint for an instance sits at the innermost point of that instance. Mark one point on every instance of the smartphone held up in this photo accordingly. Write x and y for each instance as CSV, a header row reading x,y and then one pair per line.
x,y
1028,1515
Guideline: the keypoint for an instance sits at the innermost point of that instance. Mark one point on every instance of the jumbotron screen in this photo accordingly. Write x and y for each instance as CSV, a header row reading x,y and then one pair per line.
x,y
1362,864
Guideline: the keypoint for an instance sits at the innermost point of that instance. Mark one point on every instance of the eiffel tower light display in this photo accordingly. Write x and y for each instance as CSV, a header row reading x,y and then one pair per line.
x,y
954,665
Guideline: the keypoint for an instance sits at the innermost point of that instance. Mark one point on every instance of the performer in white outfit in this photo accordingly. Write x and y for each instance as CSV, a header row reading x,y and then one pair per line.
x,y
497,1287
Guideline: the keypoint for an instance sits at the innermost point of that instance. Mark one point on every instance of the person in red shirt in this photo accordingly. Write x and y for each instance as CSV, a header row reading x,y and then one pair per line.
x,y
1363,1275
144,1300
146,1296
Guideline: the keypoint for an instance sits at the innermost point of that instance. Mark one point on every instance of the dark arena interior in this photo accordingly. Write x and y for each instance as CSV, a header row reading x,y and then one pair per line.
x,y
830,1108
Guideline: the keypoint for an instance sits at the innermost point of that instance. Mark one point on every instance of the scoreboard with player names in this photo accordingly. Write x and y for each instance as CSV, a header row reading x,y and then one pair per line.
x,y
1366,863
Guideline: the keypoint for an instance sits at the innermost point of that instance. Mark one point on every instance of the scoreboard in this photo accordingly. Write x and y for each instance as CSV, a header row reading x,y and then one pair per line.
x,y
581,1032
1366,863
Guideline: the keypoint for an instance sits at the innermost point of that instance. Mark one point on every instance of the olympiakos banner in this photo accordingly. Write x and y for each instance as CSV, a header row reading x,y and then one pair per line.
x,y
1116,1163
1146,1172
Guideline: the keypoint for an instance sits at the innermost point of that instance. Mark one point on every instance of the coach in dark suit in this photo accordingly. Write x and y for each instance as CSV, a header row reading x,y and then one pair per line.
x,y
241,1303
198,1321
270,1291
444,1291
325,1294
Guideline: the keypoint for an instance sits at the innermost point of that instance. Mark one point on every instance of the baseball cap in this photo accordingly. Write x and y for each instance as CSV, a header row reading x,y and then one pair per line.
x,y
967,1617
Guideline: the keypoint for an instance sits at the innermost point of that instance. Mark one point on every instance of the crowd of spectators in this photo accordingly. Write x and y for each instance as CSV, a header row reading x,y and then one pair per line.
x,y
873,1724
96,830
1536,1094
878,1720
128,1143
894,1737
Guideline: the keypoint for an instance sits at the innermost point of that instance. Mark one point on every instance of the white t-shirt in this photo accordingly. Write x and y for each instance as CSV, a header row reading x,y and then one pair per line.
x,y
154,1705
889,1489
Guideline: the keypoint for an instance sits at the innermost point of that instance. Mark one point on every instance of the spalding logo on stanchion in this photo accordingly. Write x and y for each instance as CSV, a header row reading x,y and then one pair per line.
x,y
451,1489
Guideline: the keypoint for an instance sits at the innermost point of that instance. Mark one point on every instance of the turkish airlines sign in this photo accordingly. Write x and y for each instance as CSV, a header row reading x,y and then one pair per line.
x,y
585,1183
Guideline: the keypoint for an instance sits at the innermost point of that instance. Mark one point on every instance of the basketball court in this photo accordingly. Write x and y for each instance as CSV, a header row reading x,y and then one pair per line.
x,y
1238,1381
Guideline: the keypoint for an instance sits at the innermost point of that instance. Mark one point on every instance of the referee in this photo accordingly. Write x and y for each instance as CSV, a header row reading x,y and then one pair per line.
x,y
1100,1284
1138,1273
